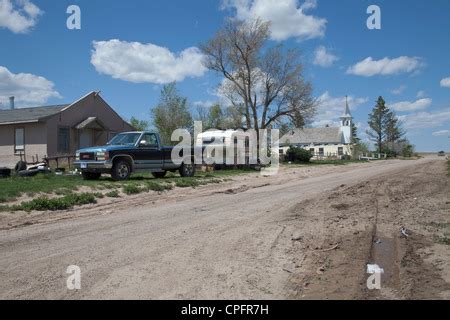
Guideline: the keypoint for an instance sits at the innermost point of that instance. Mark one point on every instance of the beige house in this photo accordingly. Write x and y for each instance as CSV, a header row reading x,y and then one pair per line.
x,y
329,142
53,131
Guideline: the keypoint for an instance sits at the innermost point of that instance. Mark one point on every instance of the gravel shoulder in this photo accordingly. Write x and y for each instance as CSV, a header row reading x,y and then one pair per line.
x,y
235,239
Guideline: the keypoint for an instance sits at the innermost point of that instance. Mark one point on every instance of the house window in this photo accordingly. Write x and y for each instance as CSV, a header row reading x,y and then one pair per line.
x,y
312,150
340,151
63,140
19,139
281,151
321,151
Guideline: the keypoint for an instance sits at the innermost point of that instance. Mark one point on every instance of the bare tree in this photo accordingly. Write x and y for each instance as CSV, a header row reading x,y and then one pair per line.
x,y
267,84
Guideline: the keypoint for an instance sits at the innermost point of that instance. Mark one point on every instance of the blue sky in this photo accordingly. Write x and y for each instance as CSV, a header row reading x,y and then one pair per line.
x,y
129,49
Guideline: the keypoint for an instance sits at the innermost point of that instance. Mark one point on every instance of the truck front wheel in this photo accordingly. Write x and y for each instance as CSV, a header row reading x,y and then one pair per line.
x,y
187,170
121,170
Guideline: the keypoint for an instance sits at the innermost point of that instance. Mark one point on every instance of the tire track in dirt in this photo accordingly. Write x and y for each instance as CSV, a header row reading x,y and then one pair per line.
x,y
365,220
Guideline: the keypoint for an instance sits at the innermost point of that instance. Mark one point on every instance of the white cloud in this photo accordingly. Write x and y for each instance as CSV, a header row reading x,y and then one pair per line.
x,y
288,19
28,89
423,120
421,94
139,63
445,82
331,108
412,106
324,58
398,90
369,67
442,133
204,104
19,16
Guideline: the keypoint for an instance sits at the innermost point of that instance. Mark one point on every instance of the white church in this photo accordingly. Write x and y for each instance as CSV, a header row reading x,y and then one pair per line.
x,y
328,142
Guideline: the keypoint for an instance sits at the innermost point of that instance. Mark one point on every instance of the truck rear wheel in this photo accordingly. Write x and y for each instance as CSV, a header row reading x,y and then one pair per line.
x,y
121,170
187,170
159,175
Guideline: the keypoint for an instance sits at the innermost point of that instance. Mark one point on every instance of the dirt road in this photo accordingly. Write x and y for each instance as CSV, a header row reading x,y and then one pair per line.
x,y
305,233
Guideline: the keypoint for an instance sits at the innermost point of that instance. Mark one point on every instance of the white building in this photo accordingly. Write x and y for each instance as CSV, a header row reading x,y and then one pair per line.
x,y
323,142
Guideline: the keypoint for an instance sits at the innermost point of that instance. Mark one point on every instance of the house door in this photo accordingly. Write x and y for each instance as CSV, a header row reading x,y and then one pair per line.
x,y
86,138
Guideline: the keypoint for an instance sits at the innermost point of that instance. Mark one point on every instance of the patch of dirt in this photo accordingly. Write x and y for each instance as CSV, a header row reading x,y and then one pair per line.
x,y
366,221
306,233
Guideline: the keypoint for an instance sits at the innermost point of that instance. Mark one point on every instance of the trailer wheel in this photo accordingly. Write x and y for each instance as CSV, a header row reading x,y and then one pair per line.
x,y
187,170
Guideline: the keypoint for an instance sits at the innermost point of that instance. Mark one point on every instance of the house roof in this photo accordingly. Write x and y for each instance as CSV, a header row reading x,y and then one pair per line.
x,y
91,123
29,114
312,136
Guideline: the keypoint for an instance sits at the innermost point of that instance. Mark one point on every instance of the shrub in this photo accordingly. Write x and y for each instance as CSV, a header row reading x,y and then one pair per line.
x,y
113,194
408,150
64,203
295,154
186,183
153,186
132,189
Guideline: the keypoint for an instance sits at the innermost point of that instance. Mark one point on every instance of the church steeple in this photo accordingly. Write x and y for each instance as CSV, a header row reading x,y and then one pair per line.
x,y
347,118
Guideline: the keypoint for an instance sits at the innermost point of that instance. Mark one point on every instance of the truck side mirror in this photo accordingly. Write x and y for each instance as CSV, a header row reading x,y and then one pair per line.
x,y
143,143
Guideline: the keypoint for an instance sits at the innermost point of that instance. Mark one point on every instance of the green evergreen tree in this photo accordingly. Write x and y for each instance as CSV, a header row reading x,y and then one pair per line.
x,y
378,121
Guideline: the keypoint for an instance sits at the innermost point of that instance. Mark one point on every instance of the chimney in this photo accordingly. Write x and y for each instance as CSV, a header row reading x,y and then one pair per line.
x,y
11,103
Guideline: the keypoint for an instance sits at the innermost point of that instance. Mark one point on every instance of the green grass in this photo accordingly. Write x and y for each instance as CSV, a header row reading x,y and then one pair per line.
x,y
187,183
132,189
14,187
442,240
440,225
113,194
65,187
158,187
46,204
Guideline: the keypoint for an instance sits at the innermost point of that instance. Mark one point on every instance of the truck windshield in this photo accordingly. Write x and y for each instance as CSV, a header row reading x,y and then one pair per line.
x,y
125,139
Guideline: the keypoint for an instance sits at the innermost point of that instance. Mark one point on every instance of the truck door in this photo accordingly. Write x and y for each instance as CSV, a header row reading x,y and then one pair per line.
x,y
148,154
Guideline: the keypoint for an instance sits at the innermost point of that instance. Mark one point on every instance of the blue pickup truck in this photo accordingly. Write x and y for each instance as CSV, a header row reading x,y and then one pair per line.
x,y
131,152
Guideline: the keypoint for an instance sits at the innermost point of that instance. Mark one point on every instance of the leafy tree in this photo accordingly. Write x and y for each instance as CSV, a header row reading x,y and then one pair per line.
x,y
216,118
359,147
233,117
171,113
408,150
139,125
